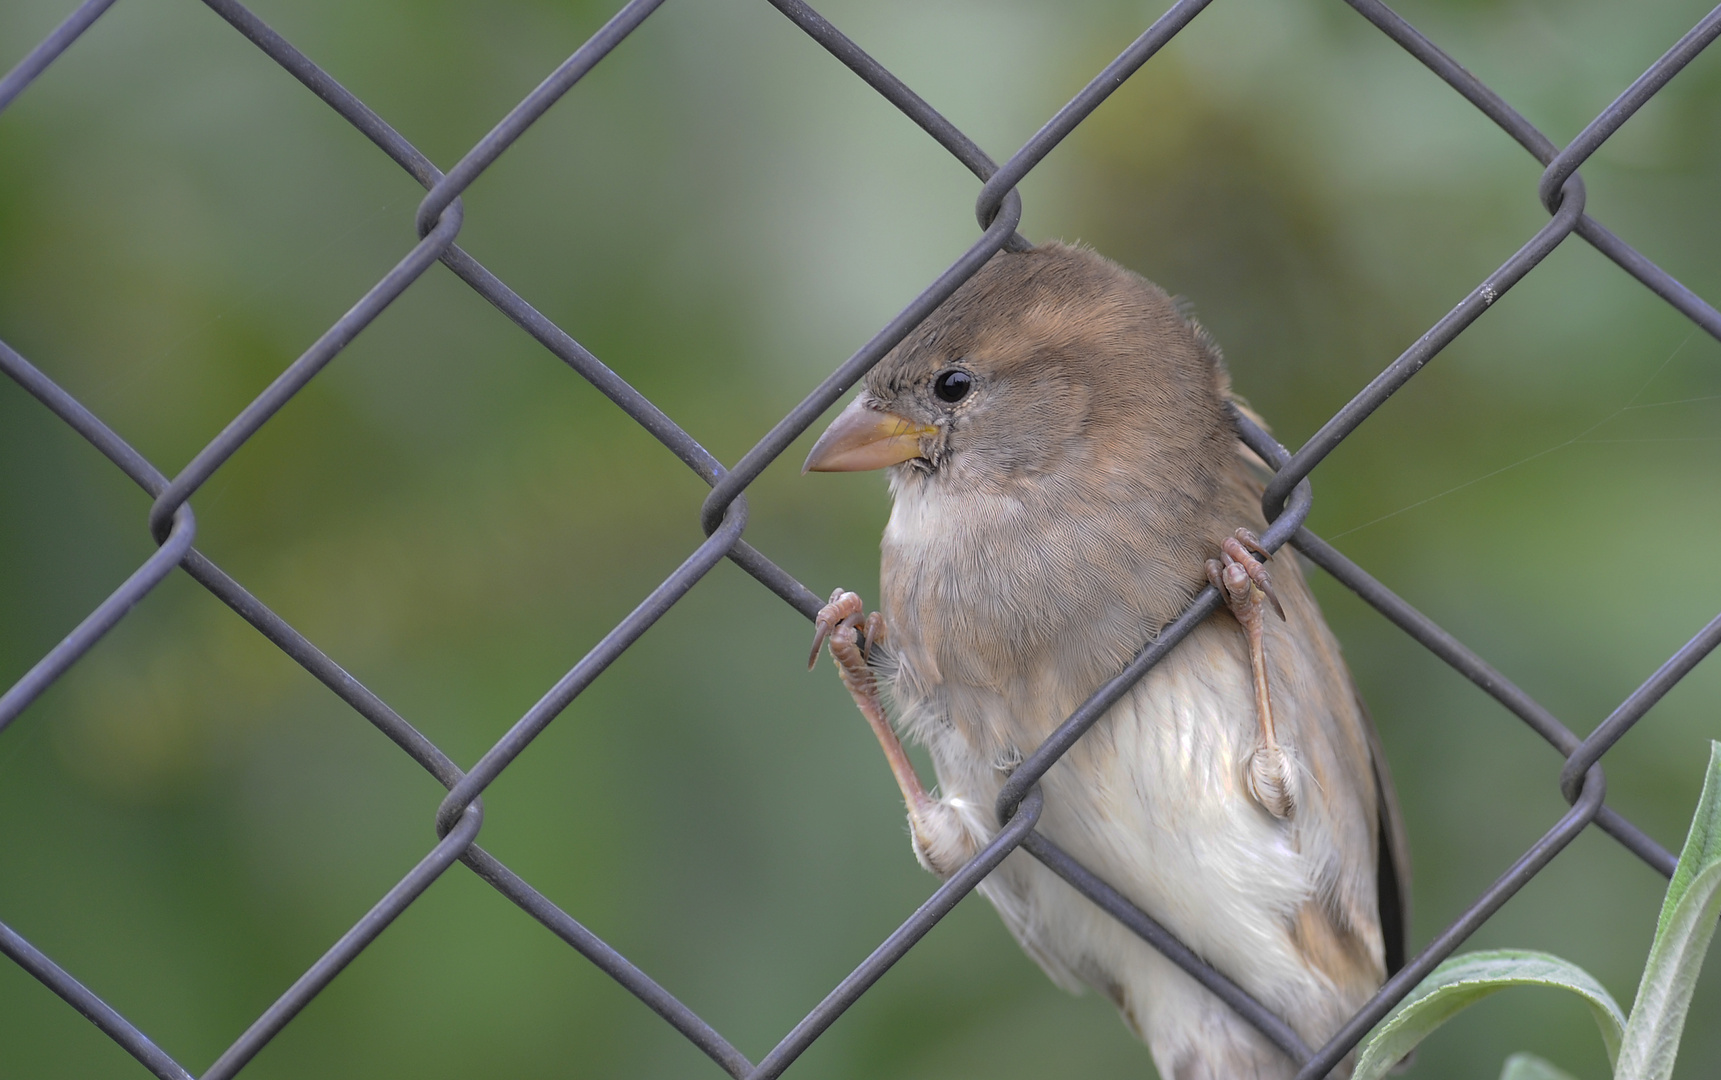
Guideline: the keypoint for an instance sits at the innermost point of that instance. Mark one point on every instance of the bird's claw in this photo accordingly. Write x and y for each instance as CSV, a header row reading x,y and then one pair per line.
x,y
874,633
1238,568
843,610
852,638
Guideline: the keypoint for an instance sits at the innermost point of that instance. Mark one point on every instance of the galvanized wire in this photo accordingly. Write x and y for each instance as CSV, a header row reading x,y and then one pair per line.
x,y
724,516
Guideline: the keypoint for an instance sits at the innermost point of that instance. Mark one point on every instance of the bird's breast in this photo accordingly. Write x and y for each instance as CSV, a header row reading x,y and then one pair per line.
x,y
991,585
965,585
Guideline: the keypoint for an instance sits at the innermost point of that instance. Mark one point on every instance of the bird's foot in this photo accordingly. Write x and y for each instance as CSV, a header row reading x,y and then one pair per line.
x,y
1240,577
1246,588
852,636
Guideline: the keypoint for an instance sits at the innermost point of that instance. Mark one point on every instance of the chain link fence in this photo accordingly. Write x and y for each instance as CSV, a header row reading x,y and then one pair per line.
x,y
724,517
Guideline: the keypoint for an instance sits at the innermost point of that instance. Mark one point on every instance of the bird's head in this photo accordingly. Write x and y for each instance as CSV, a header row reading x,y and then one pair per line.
x,y
1050,362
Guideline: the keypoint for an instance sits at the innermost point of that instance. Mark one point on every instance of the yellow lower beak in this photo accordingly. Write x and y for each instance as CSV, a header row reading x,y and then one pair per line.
x,y
862,437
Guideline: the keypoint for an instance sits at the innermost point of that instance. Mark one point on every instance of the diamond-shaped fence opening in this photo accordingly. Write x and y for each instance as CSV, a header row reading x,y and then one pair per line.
x,y
724,515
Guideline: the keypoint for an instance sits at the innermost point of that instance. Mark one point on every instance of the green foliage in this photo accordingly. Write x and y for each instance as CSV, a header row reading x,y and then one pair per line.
x,y
1641,1048
1531,1067
1463,981
1682,937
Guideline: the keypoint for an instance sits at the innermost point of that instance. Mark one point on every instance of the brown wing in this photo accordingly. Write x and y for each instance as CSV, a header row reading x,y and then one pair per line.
x,y
1392,865
1392,856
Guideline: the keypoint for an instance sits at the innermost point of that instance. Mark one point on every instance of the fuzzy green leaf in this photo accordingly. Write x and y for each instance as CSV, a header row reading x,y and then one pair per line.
x,y
1464,980
1687,925
1531,1067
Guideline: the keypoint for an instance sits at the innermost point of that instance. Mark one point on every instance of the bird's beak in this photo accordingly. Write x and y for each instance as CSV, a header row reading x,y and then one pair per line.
x,y
862,437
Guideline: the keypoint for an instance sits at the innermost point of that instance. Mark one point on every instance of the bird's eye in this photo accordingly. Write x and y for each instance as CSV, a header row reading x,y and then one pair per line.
x,y
953,385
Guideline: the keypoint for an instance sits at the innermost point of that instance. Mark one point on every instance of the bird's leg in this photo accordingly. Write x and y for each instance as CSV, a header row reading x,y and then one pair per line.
x,y
837,622
941,840
1243,582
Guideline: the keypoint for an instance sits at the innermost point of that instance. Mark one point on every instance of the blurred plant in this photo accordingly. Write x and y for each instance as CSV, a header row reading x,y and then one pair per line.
x,y
1642,1047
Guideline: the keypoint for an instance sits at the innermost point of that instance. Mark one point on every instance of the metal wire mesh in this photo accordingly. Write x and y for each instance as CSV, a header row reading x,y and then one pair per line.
x,y
724,516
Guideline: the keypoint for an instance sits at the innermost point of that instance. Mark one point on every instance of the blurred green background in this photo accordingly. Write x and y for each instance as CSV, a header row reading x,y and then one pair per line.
x,y
723,213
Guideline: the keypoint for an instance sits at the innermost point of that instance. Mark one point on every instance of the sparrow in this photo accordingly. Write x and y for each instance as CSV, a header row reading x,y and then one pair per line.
x,y
1065,478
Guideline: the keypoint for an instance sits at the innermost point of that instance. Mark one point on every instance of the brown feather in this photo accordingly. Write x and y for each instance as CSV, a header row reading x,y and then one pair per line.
x,y
1059,516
